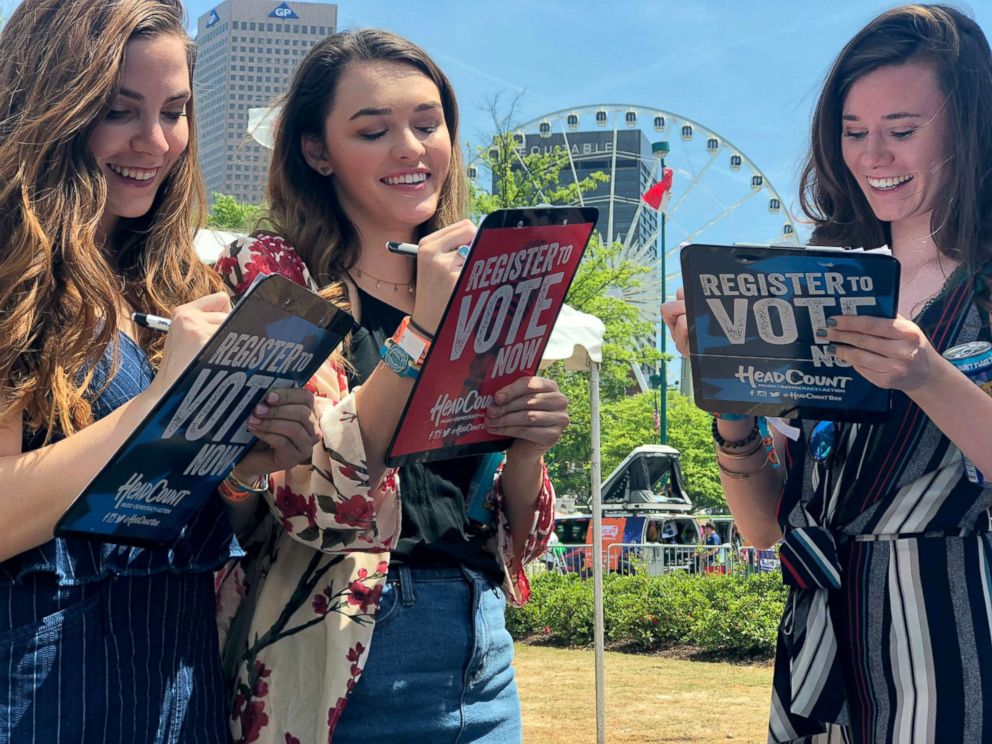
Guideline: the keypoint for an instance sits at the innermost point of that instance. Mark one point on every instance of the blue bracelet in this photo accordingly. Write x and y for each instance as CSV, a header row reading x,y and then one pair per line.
x,y
730,416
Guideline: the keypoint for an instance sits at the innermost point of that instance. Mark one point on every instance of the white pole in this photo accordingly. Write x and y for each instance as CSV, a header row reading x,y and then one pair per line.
x,y
597,554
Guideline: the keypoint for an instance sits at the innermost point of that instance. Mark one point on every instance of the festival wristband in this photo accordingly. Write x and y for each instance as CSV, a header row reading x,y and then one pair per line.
x,y
766,437
411,341
233,489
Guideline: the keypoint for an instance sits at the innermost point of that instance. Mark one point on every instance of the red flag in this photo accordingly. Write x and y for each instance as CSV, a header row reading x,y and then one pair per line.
x,y
654,196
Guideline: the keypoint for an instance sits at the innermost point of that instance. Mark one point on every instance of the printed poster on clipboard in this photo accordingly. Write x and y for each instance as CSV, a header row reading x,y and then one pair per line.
x,y
753,315
494,329
276,336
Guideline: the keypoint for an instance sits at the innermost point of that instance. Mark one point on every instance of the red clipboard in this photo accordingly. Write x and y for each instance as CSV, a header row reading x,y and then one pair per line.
x,y
493,330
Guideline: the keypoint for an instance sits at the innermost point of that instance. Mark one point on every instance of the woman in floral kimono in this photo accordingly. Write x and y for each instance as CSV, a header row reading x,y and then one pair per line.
x,y
358,615
886,535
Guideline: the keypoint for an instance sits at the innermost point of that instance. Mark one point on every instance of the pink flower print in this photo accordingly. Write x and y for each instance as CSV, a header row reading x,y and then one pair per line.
x,y
253,720
333,716
292,504
320,604
364,597
355,512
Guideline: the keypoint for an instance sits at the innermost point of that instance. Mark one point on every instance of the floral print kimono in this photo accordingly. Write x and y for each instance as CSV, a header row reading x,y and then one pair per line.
x,y
296,614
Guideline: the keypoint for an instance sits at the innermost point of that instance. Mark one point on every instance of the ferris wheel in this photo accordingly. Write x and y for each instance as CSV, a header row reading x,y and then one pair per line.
x,y
718,194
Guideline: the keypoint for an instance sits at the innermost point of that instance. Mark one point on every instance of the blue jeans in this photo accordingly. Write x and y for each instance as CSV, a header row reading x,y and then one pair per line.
x,y
439,667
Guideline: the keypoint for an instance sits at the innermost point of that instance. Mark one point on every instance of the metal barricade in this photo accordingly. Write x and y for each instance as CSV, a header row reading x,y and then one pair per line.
x,y
563,558
656,559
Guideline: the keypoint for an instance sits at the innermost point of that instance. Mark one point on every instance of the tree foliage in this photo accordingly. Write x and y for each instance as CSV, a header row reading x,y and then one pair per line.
x,y
227,213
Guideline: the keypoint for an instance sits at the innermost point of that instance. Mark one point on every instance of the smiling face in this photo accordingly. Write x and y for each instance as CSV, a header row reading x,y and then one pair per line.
x,y
387,147
145,131
895,141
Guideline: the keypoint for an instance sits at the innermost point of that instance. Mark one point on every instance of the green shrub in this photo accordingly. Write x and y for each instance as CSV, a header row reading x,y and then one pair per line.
x,y
734,615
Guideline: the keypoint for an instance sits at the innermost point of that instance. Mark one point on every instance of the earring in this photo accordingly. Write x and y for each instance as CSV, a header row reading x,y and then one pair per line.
x,y
325,171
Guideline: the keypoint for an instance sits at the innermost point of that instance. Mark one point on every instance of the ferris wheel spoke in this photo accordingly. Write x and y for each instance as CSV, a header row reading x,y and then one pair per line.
x,y
613,182
692,184
571,164
727,212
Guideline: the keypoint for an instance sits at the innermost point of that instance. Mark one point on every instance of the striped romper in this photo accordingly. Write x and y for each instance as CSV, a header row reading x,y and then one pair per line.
x,y
887,548
108,644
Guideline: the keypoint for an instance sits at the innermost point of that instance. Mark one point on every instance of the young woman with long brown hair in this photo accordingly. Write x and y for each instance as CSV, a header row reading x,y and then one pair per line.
x,y
371,618
99,197
887,538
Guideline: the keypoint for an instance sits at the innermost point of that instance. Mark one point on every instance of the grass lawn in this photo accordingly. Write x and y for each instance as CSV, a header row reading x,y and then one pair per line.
x,y
649,699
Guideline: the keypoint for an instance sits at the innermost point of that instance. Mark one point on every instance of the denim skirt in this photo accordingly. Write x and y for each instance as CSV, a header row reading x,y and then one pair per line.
x,y
439,668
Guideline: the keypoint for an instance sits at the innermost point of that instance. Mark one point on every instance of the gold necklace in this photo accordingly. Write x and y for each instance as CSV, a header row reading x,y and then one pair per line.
x,y
411,287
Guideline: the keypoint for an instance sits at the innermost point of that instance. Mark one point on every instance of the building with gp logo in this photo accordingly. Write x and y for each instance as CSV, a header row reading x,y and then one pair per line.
x,y
247,52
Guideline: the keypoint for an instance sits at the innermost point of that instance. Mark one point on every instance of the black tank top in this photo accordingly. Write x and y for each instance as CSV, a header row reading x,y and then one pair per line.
x,y
436,530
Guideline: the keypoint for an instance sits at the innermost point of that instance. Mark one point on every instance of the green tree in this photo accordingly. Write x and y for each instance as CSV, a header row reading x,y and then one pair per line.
x,y
227,213
520,179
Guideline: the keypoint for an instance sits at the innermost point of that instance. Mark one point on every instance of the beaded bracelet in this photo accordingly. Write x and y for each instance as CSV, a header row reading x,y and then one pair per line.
x,y
725,444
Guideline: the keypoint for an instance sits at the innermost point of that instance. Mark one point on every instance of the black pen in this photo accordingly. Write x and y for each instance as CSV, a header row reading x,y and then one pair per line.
x,y
410,249
155,322
406,249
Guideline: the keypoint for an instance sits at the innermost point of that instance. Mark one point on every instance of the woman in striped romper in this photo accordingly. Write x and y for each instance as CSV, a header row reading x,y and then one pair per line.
x,y
886,541
99,191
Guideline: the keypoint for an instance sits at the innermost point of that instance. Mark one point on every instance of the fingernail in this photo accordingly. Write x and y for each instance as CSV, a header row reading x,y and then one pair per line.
x,y
821,332
831,321
831,349
254,421
500,397
272,397
261,409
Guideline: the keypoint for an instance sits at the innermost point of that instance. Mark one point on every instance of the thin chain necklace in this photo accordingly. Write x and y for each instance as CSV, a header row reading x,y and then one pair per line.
x,y
411,287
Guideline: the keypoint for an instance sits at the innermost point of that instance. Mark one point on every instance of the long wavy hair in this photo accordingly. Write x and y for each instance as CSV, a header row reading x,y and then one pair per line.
x,y
302,205
959,53
61,286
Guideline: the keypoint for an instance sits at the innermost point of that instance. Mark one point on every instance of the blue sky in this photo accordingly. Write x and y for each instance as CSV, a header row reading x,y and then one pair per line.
x,y
749,71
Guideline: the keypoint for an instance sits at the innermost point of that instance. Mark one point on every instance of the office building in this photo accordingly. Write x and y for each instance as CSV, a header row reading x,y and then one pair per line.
x,y
247,53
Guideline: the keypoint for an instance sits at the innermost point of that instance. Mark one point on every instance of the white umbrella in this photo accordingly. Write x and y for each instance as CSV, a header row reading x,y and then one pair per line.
x,y
209,243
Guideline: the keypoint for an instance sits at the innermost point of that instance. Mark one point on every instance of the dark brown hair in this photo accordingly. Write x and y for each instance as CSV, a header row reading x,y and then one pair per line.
x,y
302,205
60,287
959,53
